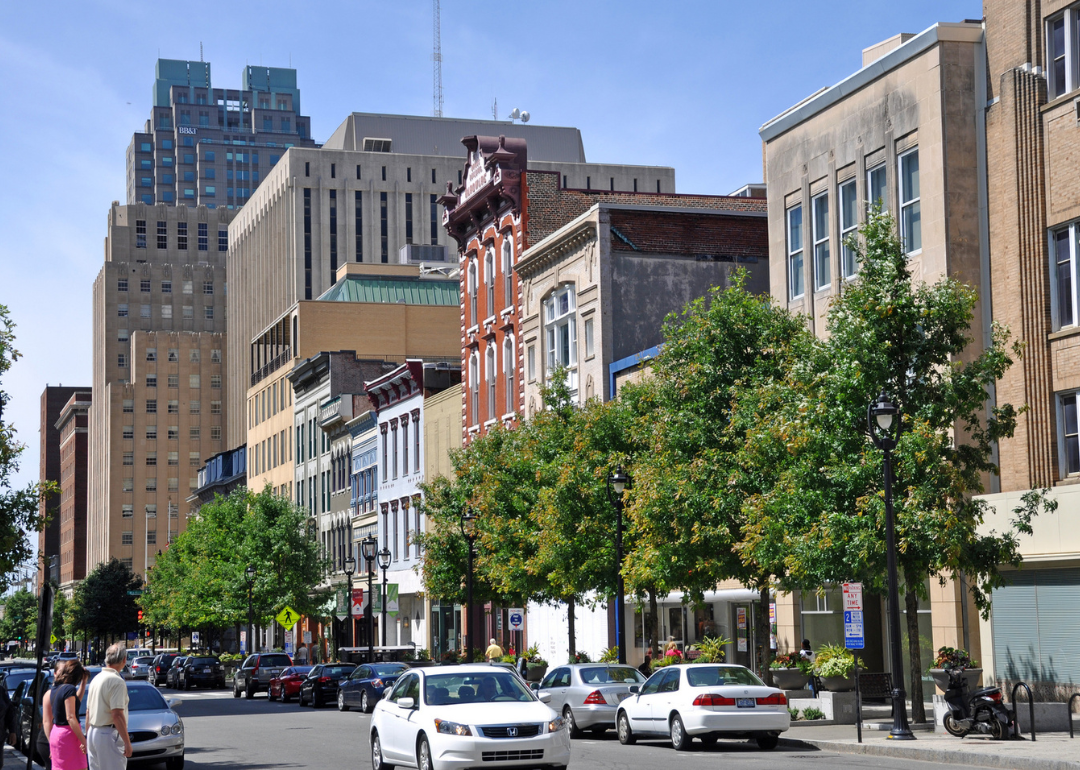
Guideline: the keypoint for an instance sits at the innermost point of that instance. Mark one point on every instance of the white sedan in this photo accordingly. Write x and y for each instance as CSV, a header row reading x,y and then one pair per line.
x,y
465,716
704,701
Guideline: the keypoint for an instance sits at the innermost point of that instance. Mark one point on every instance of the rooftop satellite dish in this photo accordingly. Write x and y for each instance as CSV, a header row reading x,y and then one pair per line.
x,y
515,114
524,117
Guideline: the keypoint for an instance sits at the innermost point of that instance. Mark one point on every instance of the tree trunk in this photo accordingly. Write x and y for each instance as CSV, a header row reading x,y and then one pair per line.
x,y
911,602
571,630
765,636
654,641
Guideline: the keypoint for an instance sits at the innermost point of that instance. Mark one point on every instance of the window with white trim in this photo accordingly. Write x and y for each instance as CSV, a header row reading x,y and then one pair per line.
x,y
489,279
822,266
508,270
560,327
472,289
796,281
849,225
910,208
877,188
1062,46
508,372
1064,250
1069,433
474,386
530,356
490,373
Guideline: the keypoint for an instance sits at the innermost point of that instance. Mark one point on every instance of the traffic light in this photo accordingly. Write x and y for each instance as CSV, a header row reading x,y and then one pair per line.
x,y
140,616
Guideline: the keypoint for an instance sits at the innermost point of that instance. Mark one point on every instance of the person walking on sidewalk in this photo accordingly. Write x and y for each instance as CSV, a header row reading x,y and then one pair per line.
x,y
60,710
493,652
107,741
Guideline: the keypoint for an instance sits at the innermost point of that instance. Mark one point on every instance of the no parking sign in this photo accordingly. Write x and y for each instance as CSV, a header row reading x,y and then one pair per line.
x,y
517,618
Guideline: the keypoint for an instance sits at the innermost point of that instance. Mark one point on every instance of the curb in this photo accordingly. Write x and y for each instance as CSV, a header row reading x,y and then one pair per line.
x,y
939,756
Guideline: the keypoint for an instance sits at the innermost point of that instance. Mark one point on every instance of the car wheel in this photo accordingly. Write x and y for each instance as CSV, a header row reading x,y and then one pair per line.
x,y
679,739
285,697
236,690
377,761
768,742
316,700
365,704
249,691
175,763
270,693
423,754
622,726
300,699
341,701
571,725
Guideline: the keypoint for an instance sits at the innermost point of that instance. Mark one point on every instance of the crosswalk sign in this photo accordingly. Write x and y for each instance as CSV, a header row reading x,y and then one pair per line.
x,y
288,617
52,639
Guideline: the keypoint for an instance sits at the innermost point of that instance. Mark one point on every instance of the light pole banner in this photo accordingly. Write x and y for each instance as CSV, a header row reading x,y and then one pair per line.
x,y
358,603
391,599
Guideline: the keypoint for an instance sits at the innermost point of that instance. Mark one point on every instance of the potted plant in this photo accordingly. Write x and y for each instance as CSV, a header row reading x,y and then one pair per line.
x,y
421,659
536,666
711,649
790,672
834,665
949,658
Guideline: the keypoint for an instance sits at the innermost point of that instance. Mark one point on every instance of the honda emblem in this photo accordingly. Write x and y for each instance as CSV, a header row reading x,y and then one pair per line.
x,y
511,732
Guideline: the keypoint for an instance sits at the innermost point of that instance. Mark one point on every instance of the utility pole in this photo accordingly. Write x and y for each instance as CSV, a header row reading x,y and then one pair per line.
x,y
436,57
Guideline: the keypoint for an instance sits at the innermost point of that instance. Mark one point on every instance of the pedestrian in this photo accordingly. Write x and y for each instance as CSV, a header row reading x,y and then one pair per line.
x,y
646,666
807,654
301,655
493,652
107,741
7,718
60,712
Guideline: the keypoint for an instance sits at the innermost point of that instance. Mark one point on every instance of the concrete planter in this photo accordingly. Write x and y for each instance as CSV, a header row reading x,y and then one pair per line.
x,y
1049,717
536,672
419,663
941,678
789,678
838,683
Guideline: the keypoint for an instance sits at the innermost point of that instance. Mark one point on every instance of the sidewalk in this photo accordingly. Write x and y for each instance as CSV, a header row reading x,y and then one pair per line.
x,y
13,760
1051,751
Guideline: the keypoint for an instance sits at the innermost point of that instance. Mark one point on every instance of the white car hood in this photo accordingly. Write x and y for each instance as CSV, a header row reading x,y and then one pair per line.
x,y
499,713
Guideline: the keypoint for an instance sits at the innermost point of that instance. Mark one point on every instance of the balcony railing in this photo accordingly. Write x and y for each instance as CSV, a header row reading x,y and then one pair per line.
x,y
272,366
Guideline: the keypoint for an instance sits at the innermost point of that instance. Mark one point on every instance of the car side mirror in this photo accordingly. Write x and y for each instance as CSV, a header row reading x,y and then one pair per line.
x,y
172,702
544,697
406,703
635,688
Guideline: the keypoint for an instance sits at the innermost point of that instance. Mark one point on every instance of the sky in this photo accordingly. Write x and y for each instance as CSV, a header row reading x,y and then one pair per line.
x,y
678,83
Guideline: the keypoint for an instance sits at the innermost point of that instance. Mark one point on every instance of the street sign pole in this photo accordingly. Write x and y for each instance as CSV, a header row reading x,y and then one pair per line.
x,y
855,639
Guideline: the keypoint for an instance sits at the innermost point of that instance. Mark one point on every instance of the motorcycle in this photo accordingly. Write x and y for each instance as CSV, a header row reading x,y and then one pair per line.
x,y
981,712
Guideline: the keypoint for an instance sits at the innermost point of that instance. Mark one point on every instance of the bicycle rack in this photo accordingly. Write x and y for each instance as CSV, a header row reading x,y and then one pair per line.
x,y
1031,708
1069,712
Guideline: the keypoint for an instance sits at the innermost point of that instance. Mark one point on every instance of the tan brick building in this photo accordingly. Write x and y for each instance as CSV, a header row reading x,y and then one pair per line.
x,y
73,426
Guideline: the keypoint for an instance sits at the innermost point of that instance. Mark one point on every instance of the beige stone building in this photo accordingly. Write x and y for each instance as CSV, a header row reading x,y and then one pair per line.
x,y
158,375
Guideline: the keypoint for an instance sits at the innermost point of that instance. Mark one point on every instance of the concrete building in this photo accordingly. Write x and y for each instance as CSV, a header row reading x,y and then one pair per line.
x,y
159,364
370,195
53,400
73,425
363,507
212,146
222,473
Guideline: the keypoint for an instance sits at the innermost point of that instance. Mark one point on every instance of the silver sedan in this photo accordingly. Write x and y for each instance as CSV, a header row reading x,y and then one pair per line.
x,y
587,694
156,731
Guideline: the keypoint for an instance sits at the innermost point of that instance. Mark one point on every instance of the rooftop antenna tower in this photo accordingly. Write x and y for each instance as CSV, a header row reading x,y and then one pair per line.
x,y
436,56
200,52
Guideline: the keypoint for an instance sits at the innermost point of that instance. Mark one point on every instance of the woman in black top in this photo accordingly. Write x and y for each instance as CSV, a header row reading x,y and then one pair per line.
x,y
67,744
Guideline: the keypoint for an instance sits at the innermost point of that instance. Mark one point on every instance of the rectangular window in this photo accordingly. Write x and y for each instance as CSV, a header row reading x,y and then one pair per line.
x,y
876,185
121,360
127,511
208,312
384,243
144,286
151,537
204,237
151,354
333,235
589,349
408,218
128,406
433,202
181,235
122,335
848,227
215,433
151,458
215,356
822,262
530,357
151,433
193,433
404,448
222,240
1070,434
194,406
144,311
121,284
193,459
128,432
1064,247
151,406
173,432
1061,52
174,380
126,538
122,310
208,287
174,458
174,355
166,311
173,407
359,223
307,242
151,485
129,458
796,281
193,381
166,287
910,210
151,380
163,235
385,457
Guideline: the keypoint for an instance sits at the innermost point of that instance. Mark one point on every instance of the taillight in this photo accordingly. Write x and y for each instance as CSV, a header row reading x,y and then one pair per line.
x,y
995,697
595,698
325,679
376,683
773,700
709,699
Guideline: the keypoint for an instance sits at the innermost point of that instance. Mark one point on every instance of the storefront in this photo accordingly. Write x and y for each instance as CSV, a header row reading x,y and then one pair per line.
x,y
445,630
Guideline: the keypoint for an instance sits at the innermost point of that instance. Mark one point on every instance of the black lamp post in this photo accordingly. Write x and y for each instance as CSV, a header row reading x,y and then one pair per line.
x,y
350,568
250,572
619,481
384,564
468,531
882,419
367,547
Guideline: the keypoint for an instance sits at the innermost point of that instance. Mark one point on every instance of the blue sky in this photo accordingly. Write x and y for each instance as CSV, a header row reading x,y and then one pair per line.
x,y
684,84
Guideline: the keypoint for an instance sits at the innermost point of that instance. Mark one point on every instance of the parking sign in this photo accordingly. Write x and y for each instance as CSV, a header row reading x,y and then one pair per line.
x,y
517,618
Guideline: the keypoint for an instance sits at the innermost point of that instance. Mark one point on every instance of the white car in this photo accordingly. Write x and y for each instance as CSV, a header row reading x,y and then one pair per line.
x,y
465,716
706,701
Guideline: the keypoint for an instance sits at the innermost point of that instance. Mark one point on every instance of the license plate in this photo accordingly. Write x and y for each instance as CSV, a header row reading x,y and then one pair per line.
x,y
206,670
745,703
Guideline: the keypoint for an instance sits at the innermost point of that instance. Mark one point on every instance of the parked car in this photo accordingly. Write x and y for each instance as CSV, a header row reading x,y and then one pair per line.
x,y
704,701
257,671
470,715
287,684
172,676
15,676
321,684
365,685
138,652
587,694
157,732
140,668
68,656
23,703
201,670
159,669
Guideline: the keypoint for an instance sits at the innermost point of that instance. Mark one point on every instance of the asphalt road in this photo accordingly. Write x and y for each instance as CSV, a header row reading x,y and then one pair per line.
x,y
229,734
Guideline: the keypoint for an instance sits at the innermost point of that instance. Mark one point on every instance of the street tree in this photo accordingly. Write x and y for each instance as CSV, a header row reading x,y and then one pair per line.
x,y
822,512
20,617
105,601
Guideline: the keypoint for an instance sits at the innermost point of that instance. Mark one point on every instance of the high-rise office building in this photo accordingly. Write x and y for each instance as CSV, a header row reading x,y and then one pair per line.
x,y
159,361
73,427
53,399
211,146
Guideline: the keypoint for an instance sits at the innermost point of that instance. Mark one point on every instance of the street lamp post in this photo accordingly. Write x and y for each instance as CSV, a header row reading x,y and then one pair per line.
x,y
882,418
250,572
368,548
350,568
618,481
384,564
468,531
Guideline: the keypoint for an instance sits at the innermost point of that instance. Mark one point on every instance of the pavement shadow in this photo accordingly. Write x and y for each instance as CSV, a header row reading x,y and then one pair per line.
x,y
196,758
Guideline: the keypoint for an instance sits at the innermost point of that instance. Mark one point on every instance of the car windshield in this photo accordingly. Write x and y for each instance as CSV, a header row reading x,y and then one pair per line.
x,y
203,661
337,670
718,676
276,660
610,675
145,699
452,689
388,670
144,661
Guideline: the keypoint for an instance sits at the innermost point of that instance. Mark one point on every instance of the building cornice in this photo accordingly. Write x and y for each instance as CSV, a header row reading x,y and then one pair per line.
x,y
566,239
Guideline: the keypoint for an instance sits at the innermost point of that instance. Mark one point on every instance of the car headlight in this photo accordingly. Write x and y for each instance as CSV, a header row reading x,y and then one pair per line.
x,y
451,728
556,724
166,729
178,727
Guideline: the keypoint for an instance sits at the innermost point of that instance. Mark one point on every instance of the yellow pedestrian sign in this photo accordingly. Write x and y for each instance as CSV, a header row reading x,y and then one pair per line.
x,y
52,639
288,617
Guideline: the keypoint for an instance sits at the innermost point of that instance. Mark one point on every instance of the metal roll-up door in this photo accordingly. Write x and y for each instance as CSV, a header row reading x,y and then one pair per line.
x,y
1036,626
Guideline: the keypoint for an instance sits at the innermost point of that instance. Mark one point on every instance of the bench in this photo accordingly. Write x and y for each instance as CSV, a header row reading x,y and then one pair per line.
x,y
875,687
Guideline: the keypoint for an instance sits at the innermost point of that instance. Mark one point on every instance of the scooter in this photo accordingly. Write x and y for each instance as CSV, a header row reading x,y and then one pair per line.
x,y
981,712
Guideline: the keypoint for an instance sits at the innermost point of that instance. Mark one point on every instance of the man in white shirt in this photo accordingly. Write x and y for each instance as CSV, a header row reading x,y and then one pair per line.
x,y
108,744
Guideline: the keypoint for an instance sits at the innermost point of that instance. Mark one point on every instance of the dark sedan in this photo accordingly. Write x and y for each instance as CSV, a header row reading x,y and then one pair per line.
x,y
321,685
287,684
365,685
172,676
159,669
200,671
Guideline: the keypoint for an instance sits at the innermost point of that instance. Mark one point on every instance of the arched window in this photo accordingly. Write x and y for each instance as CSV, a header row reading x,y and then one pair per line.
x,y
472,287
489,279
474,386
508,270
489,375
560,334
508,372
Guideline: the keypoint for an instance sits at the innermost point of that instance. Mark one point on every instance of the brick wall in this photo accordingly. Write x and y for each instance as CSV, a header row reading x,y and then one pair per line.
x,y
691,234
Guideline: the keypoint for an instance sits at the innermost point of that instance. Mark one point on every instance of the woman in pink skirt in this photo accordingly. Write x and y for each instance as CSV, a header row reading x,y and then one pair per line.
x,y
67,744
